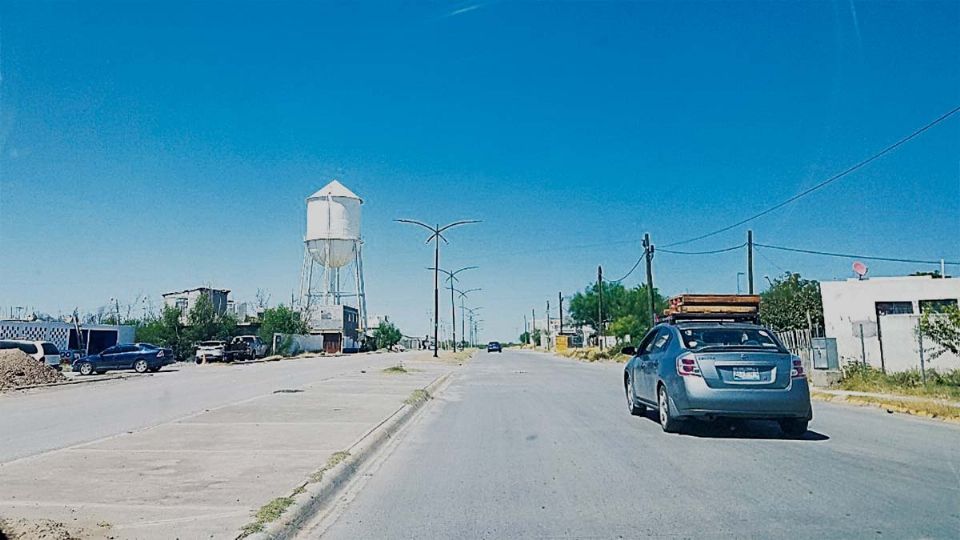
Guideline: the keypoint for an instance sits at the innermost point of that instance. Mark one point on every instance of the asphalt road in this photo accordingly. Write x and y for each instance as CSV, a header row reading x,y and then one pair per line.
x,y
39,420
524,445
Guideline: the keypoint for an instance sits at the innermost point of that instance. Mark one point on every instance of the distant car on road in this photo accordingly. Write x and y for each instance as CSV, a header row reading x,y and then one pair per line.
x,y
140,357
211,351
494,346
42,351
708,370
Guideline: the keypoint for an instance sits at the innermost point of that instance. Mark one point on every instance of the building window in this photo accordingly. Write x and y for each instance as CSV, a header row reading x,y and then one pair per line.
x,y
894,308
937,306
182,304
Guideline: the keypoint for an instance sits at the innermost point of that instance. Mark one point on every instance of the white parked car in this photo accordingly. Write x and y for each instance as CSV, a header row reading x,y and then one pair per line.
x,y
43,351
210,351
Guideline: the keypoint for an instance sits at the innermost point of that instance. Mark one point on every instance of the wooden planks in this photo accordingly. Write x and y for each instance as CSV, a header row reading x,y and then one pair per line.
x,y
714,304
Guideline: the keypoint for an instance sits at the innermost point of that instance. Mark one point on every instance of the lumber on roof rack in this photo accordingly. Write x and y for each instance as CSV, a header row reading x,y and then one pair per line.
x,y
726,305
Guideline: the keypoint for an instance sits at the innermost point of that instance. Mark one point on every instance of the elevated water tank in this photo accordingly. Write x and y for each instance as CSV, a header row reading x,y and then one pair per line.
x,y
333,225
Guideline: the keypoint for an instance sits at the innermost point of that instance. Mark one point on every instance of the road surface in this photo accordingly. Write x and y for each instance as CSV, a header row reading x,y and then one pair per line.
x,y
526,445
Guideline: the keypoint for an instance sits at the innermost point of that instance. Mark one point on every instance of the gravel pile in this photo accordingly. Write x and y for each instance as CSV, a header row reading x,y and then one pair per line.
x,y
18,369
43,529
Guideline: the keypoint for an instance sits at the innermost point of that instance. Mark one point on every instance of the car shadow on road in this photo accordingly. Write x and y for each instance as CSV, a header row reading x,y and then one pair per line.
x,y
737,429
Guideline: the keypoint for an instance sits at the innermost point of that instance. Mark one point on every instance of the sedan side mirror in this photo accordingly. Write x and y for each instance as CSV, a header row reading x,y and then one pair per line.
x,y
629,351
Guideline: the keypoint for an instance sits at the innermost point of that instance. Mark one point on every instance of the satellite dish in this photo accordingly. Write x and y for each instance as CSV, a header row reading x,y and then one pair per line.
x,y
860,269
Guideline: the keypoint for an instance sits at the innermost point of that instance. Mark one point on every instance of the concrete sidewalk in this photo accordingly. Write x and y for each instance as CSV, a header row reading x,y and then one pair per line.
x,y
205,475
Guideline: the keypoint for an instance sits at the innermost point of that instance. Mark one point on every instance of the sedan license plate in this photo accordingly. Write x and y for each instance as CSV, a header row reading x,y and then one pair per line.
x,y
746,374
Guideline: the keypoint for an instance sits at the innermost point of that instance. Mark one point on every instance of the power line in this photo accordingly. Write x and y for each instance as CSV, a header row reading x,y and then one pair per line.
x,y
711,252
768,259
824,183
635,265
850,256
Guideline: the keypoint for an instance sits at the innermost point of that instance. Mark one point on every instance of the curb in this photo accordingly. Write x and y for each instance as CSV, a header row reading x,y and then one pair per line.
x,y
317,495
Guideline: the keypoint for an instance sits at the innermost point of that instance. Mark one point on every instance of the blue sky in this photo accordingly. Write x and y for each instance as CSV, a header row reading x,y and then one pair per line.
x,y
154,147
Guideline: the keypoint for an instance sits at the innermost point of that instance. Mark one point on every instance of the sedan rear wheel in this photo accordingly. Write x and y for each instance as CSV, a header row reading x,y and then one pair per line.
x,y
794,427
635,408
86,368
140,366
668,421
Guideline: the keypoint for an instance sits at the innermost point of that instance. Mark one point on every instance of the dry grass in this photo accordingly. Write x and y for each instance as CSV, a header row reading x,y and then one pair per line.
x,y
937,385
417,396
927,408
594,354
396,370
267,513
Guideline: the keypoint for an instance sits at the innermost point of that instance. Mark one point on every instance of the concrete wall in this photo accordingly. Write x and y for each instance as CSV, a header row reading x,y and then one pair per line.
x,y
901,349
847,304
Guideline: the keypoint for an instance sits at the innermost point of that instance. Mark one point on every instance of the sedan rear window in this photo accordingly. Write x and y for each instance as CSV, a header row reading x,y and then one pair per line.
x,y
753,338
49,348
28,348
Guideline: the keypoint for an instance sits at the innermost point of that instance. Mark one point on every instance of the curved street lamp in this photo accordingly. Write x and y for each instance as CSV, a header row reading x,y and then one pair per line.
x,y
451,277
463,318
436,237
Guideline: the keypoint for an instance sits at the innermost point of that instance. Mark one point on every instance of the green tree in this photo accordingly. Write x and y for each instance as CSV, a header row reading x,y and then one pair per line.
x,y
525,338
386,335
942,326
626,310
281,320
204,323
535,336
166,331
784,306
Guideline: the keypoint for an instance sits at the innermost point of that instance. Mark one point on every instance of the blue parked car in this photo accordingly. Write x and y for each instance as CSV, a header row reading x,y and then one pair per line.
x,y
140,357
710,369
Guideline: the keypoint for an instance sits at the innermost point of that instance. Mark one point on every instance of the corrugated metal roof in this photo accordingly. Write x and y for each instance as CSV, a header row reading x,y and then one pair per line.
x,y
334,189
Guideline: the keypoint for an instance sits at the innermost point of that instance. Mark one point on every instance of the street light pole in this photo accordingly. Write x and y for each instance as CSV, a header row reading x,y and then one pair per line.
x,y
436,237
463,319
451,277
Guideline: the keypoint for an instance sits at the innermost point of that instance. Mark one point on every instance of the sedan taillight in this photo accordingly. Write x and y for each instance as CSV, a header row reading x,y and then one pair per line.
x,y
687,366
797,371
160,354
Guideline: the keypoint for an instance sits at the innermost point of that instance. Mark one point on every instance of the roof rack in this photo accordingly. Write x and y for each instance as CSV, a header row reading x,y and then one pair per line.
x,y
675,318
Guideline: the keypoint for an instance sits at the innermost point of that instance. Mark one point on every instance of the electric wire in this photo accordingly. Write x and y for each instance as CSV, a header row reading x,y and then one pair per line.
x,y
826,182
852,256
710,252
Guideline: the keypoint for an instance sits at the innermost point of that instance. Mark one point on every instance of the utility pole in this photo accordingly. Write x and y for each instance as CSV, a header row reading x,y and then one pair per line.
x,y
548,325
600,306
525,330
648,256
533,321
750,261
436,237
560,304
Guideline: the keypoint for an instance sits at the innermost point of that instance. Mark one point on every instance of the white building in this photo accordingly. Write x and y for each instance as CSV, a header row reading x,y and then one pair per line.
x,y
185,300
887,311
93,338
